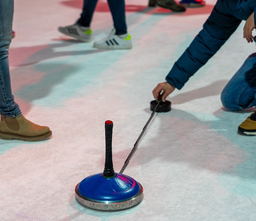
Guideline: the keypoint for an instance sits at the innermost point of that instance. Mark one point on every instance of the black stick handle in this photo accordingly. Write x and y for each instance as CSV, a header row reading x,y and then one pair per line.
x,y
108,170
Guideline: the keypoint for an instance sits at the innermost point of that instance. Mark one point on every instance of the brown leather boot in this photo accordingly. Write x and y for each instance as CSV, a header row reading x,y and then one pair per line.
x,y
20,128
170,4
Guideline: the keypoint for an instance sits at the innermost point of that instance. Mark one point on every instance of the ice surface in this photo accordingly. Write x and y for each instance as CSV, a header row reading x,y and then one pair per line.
x,y
191,162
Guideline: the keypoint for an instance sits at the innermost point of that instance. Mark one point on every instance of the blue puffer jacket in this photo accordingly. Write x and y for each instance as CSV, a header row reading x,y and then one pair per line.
x,y
221,24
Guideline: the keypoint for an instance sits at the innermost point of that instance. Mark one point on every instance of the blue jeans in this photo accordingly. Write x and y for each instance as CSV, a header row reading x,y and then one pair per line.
x,y
8,107
117,8
240,92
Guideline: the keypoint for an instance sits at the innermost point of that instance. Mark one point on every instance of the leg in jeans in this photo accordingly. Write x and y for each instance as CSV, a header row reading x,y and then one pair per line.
x,y
87,13
117,9
7,105
240,92
13,125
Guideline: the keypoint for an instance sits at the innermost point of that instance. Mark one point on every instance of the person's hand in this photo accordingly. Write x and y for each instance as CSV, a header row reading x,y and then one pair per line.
x,y
164,89
248,28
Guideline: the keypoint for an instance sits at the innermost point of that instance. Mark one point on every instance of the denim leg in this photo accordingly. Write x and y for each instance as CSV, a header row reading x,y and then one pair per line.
x,y
117,9
87,13
7,105
240,92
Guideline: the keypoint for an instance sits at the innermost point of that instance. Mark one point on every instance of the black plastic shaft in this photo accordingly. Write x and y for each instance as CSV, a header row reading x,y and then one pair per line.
x,y
108,170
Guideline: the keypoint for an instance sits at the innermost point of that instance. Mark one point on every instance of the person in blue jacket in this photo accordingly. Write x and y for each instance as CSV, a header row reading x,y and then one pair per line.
x,y
240,92
13,124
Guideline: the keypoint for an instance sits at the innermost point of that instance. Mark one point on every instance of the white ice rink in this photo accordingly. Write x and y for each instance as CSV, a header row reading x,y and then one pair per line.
x,y
191,162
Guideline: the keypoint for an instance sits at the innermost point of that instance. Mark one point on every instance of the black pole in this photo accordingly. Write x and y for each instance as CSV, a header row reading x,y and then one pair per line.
x,y
139,138
108,170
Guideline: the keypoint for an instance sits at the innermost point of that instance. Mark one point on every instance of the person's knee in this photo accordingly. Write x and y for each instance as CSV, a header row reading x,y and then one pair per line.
x,y
228,103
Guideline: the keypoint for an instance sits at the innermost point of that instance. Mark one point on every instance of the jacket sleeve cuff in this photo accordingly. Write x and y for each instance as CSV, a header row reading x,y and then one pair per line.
x,y
176,77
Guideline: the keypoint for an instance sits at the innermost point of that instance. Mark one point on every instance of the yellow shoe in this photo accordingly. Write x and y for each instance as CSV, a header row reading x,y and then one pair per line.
x,y
20,128
248,127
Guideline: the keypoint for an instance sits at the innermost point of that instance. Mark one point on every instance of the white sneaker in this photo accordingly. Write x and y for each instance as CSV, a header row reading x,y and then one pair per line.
x,y
114,41
77,31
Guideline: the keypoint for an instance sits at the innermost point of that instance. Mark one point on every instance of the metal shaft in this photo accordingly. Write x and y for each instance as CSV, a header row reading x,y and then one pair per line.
x,y
138,140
